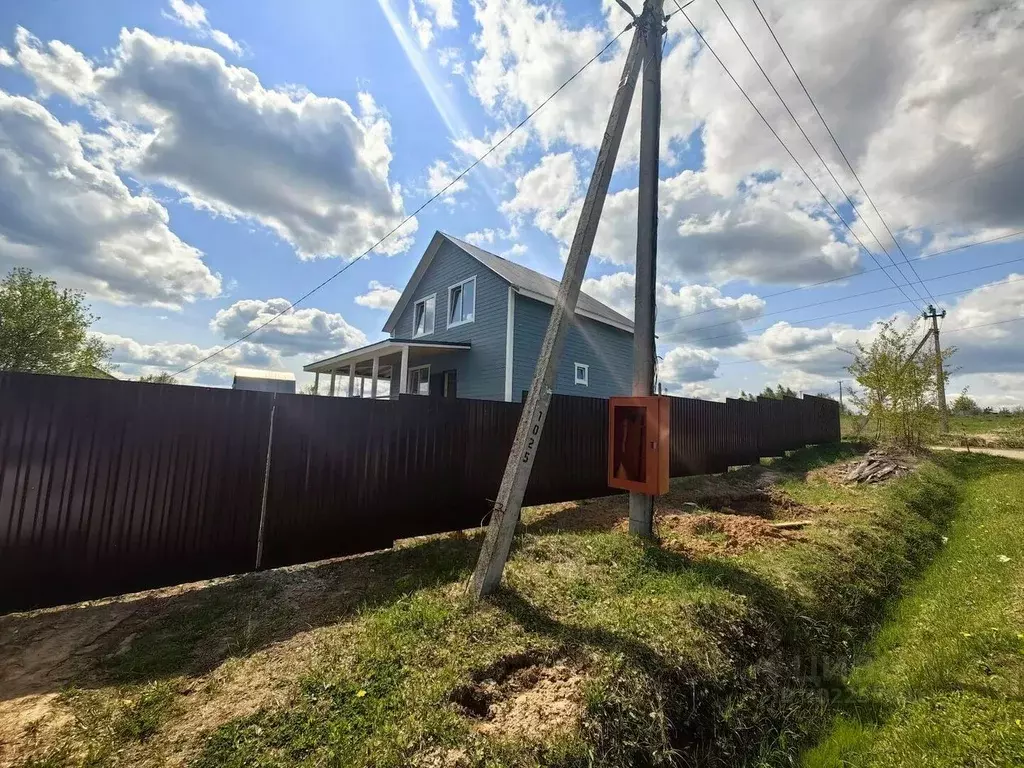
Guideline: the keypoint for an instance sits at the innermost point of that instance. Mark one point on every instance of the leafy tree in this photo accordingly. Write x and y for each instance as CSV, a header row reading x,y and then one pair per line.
x,y
45,329
159,378
965,405
772,394
897,391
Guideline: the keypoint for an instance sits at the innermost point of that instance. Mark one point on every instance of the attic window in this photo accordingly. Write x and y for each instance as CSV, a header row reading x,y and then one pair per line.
x,y
462,302
423,316
582,374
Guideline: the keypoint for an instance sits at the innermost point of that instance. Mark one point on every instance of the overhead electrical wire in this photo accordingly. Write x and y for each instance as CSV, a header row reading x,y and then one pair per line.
x,y
821,159
407,219
835,141
791,155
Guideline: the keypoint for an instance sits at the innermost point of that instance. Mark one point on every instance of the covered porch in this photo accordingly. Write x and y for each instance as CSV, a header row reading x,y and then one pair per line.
x,y
389,368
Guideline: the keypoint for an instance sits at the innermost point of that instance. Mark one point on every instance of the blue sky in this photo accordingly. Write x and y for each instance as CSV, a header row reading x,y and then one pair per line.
x,y
243,153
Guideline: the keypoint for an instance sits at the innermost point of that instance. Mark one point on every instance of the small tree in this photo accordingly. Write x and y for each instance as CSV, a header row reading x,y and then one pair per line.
x,y
159,378
965,405
45,329
898,391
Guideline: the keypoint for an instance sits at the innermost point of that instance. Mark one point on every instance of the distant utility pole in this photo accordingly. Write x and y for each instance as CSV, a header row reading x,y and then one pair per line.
x,y
940,378
505,515
652,25
840,395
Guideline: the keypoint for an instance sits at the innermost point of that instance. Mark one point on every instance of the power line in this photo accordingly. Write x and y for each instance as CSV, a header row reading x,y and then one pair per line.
x,y
677,334
811,144
851,275
840,298
790,153
412,215
835,141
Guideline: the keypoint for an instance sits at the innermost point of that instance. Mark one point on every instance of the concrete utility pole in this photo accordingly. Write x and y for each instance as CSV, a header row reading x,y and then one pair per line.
x,y
940,378
505,515
652,24
840,395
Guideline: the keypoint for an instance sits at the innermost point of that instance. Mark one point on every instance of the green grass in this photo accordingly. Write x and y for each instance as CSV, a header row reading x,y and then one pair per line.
x,y
944,684
710,661
685,660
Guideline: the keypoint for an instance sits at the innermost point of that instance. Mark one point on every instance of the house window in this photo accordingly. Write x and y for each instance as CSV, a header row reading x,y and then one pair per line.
x,y
462,302
582,374
423,316
419,380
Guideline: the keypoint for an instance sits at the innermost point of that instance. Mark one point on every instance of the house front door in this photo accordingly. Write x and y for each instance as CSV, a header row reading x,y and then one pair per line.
x,y
451,381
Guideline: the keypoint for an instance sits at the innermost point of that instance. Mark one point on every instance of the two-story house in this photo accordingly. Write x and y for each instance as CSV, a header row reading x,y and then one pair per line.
x,y
470,324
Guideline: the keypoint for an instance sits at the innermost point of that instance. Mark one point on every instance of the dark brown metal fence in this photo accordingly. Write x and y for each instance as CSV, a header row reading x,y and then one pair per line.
x,y
108,487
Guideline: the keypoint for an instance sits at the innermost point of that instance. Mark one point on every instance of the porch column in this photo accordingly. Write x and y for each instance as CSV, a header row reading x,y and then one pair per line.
x,y
316,383
351,379
330,391
373,380
362,387
403,380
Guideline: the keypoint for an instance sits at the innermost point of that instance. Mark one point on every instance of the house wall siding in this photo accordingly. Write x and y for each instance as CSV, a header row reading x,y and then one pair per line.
x,y
607,350
481,370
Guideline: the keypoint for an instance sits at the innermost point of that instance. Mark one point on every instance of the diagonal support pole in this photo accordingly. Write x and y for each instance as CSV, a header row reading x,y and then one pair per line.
x,y
505,515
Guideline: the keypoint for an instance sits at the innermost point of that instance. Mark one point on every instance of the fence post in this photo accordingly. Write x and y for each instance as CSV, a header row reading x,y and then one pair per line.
x,y
266,485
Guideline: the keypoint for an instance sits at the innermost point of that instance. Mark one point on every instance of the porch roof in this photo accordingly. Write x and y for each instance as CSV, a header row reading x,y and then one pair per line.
x,y
380,349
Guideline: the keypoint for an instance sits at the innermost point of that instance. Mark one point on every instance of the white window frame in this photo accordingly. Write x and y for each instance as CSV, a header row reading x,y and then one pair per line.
x,y
408,382
448,308
585,381
433,324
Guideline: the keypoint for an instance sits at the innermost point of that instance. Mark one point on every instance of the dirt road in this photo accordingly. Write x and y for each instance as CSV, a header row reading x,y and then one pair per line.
x,y
1009,453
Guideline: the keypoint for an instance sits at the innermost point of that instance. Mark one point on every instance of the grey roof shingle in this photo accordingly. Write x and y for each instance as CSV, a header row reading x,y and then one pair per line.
x,y
528,280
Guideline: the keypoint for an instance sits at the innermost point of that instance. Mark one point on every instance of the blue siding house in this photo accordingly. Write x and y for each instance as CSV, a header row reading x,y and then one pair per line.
x,y
470,324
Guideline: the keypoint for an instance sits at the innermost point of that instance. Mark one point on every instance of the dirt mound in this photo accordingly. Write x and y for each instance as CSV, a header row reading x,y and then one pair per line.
x,y
525,697
715,533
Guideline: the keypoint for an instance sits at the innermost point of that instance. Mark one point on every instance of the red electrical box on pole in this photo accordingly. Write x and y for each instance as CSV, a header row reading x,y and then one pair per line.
x,y
638,444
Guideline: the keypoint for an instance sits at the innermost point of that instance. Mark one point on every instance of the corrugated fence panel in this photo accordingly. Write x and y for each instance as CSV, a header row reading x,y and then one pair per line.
x,y
109,487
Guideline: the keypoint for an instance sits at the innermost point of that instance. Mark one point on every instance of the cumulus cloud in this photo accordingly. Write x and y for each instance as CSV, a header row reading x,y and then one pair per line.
x,y
139,358
310,168
687,364
299,331
698,315
379,296
6,60
193,16
441,178
66,215
451,59
443,12
422,27
482,238
547,191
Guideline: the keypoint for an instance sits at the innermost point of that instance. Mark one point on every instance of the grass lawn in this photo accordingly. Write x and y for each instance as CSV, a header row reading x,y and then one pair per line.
x,y
705,649
944,685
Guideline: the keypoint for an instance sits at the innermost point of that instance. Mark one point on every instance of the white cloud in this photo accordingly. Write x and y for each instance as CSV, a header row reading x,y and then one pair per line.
x,y
170,357
421,26
305,331
307,167
439,176
762,233
379,296
475,148
193,16
443,12
547,191
687,364
74,219
698,315
451,59
56,68
6,60
481,238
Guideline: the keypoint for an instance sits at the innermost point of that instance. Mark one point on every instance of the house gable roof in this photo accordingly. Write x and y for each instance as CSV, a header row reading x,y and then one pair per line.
x,y
526,281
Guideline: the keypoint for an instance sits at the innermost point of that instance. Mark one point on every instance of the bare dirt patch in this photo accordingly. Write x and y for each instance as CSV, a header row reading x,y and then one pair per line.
x,y
525,697
877,466
713,533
